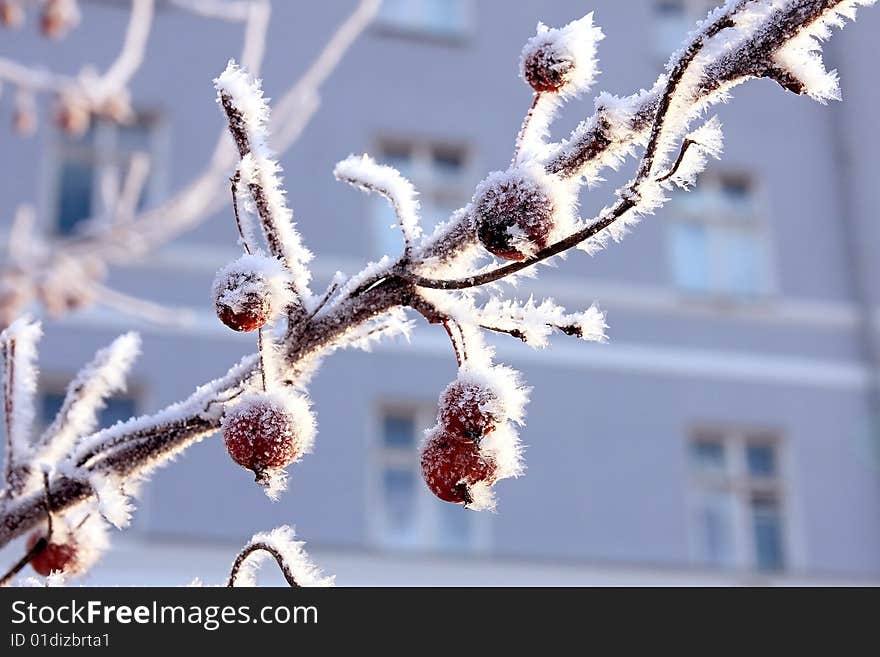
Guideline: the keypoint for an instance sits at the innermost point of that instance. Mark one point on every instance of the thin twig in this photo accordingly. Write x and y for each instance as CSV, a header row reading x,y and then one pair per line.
x,y
233,187
265,547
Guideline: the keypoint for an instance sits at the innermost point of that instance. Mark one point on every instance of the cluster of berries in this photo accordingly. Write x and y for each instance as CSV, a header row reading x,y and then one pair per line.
x,y
57,17
473,444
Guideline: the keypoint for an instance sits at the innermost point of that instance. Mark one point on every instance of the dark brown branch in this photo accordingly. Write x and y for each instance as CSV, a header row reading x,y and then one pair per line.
x,y
19,565
264,547
676,75
685,146
8,352
618,210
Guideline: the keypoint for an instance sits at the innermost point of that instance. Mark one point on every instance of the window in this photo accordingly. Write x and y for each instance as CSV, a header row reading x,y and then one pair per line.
x,y
440,175
737,503
117,409
437,18
92,169
406,515
674,19
719,242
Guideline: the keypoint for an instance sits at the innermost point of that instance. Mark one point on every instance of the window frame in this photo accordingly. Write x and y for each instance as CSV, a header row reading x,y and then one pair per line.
x,y
427,507
103,155
741,487
716,222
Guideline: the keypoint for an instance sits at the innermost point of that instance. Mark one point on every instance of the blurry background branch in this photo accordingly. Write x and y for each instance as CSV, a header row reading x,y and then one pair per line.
x,y
68,273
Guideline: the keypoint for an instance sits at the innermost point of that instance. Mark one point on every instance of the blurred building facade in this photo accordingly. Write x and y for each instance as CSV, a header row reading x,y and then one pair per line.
x,y
724,435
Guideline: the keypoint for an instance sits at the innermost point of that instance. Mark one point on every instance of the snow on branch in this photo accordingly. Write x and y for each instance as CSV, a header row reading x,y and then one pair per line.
x,y
364,173
281,545
524,216
534,323
248,114
18,346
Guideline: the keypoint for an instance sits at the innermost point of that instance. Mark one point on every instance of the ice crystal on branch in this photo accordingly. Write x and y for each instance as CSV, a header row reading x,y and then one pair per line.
x,y
363,172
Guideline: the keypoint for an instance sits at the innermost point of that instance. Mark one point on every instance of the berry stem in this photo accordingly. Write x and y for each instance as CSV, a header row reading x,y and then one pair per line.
x,y
455,348
233,186
262,361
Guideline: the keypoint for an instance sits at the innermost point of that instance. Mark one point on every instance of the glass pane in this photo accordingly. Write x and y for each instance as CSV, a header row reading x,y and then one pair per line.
x,y
439,16
399,431
398,156
708,455
767,522
399,497
761,460
690,254
740,255
444,15
735,196
447,164
74,195
454,531
715,529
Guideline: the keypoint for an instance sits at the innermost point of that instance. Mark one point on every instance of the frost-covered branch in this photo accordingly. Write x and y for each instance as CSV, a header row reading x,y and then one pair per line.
x,y
364,173
288,553
66,274
18,347
745,39
524,215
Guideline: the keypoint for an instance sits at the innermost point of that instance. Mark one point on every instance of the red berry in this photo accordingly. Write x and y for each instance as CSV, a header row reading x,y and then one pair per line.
x,y
452,464
11,13
243,300
58,17
465,410
267,432
545,70
514,217
54,556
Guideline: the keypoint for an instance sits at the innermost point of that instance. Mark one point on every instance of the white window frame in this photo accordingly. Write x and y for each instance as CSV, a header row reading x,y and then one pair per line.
x,y
427,507
422,175
716,222
103,155
740,487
